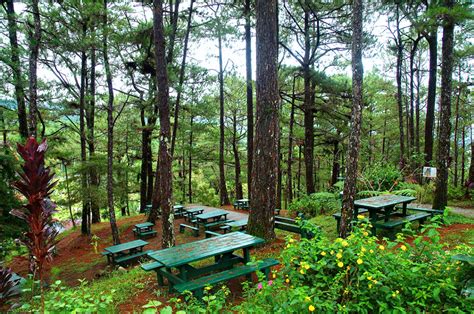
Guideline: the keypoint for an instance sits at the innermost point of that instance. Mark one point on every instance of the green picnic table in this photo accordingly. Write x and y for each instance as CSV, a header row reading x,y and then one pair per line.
x,y
211,219
383,204
122,253
222,248
242,203
144,229
191,212
238,224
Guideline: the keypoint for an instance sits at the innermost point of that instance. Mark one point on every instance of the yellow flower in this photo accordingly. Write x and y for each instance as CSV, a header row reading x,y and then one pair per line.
x,y
344,243
207,288
360,217
307,299
288,246
403,248
338,240
292,240
302,271
371,251
178,300
339,255
340,264
363,249
375,281
274,276
397,292
381,247
311,308
365,233
306,266
359,261
323,253
332,252
287,280
394,295
370,285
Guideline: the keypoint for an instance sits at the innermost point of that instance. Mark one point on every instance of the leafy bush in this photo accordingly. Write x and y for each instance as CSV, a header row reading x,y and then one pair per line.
x,y
368,193
360,275
379,177
61,299
456,192
315,204
425,193
405,192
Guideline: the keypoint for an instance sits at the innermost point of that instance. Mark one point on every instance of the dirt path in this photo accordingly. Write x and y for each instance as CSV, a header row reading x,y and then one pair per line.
x,y
468,212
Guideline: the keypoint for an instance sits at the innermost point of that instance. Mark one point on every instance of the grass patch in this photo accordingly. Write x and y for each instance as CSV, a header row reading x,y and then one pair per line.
x,y
459,238
327,224
453,218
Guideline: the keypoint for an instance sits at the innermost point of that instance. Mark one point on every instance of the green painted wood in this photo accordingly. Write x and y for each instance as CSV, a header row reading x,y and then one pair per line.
x,y
211,215
215,223
288,227
361,211
210,234
127,258
394,223
238,223
125,246
194,210
151,266
144,225
198,250
427,210
224,275
147,233
378,202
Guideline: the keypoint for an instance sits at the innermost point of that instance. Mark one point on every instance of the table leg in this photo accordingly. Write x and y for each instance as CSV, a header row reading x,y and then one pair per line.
x,y
405,209
246,255
388,211
373,219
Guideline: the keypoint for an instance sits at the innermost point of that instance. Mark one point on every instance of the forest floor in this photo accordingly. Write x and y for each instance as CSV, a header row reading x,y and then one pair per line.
x,y
76,258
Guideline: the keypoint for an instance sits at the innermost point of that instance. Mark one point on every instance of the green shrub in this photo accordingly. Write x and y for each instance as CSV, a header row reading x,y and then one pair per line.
x,y
456,192
61,299
425,193
368,193
405,192
360,275
379,177
315,204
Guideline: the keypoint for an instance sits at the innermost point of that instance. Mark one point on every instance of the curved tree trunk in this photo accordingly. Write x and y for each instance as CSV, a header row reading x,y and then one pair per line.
x,y
431,102
35,39
248,68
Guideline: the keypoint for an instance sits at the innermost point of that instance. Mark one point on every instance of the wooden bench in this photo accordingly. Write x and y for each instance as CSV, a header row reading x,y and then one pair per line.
x,y
337,216
198,284
392,224
209,225
145,234
210,234
291,225
129,258
432,212
195,230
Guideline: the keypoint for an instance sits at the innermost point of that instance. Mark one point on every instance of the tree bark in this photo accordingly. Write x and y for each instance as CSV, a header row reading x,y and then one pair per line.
x,y
16,69
190,161
110,135
456,129
356,120
68,192
265,167
224,197
431,102
248,67
181,78
336,167
164,157
235,148
289,175
35,38
463,156
399,45
470,177
144,162
443,159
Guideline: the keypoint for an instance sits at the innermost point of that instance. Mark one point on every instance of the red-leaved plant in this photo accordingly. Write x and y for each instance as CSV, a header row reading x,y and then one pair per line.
x,y
7,283
36,184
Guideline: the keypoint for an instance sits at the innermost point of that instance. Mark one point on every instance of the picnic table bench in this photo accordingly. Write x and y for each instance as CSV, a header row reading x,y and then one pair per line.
x,y
241,204
212,219
291,225
144,230
124,253
189,213
221,248
240,225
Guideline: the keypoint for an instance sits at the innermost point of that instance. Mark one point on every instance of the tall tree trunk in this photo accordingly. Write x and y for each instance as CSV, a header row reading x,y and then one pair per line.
x,y
470,177
190,161
398,41
336,167
144,162
308,108
417,110
68,192
110,135
280,175
174,14
16,69
224,197
441,192
356,120
298,177
164,157
85,225
289,175
35,38
413,51
456,129
238,183
90,117
265,166
463,156
431,102
181,78
248,67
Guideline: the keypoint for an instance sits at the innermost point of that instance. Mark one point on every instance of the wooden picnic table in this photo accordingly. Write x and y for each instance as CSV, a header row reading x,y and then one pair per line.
x,y
238,224
191,212
384,204
242,203
124,250
222,248
214,216
144,229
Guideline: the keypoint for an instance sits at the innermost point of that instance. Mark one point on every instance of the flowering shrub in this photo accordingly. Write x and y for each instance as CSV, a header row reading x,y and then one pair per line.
x,y
361,274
